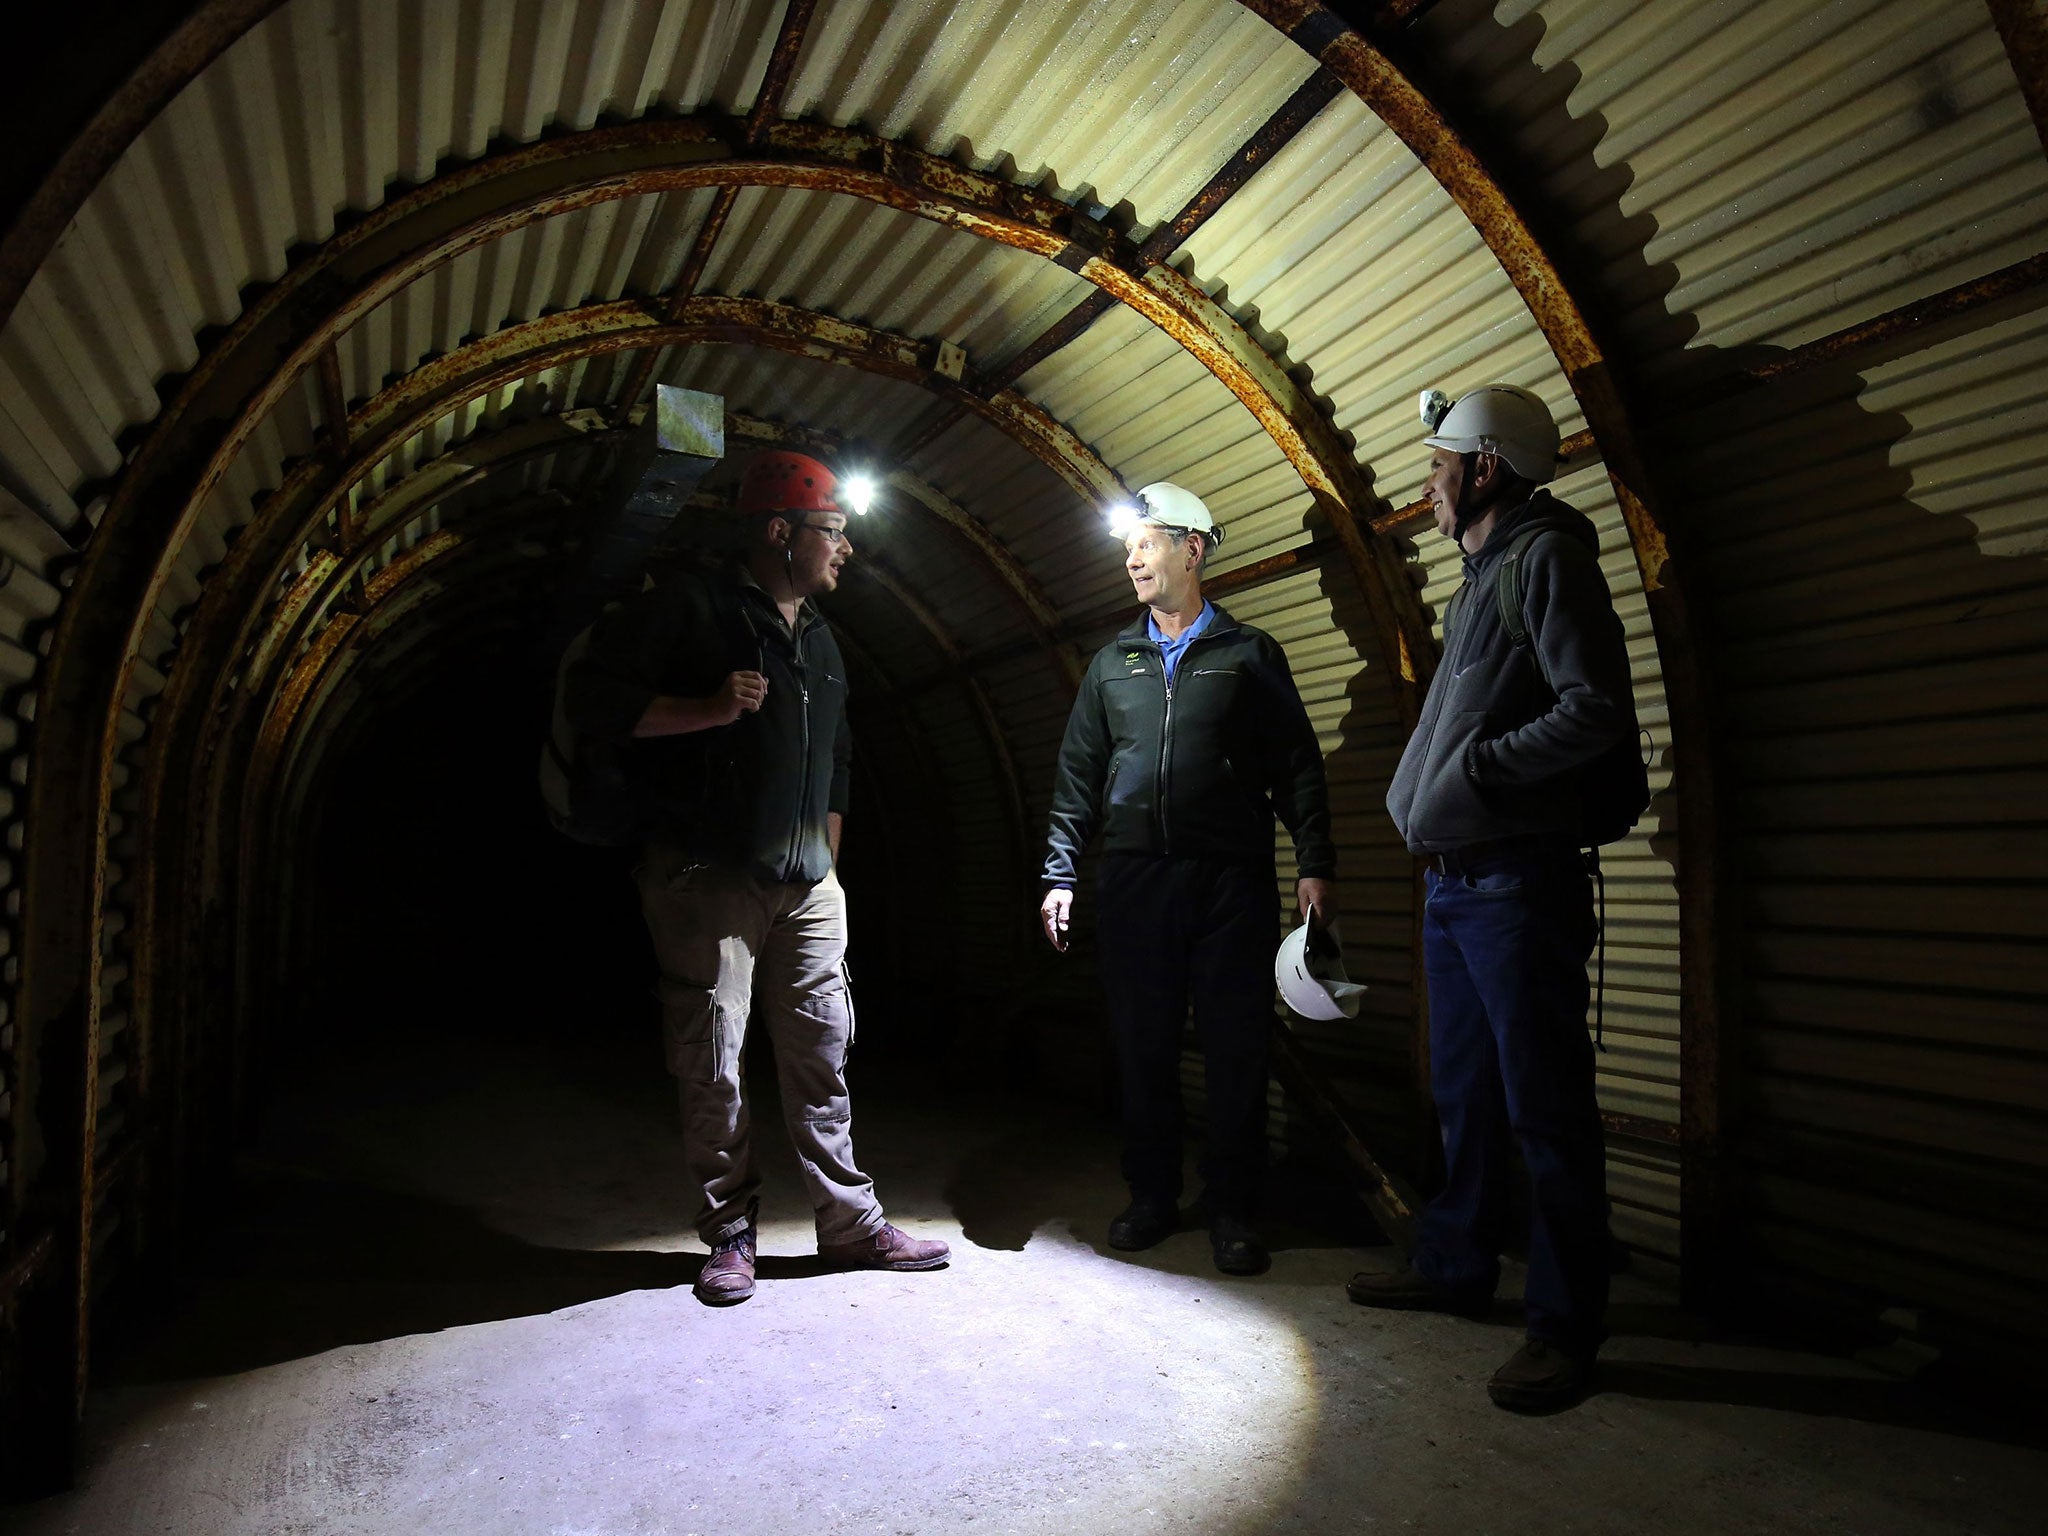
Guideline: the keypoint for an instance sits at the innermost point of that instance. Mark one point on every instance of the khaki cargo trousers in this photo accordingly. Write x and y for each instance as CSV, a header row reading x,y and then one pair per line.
x,y
726,940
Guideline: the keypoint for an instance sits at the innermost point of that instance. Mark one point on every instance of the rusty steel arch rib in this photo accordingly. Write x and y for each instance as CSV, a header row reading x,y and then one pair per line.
x,y
1426,128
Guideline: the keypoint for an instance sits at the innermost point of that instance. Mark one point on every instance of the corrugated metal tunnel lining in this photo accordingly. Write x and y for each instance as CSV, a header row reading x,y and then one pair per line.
x,y
312,388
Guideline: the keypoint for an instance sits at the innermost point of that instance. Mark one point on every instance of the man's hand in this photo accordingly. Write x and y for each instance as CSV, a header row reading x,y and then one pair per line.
x,y
1054,913
740,694
1318,897
666,715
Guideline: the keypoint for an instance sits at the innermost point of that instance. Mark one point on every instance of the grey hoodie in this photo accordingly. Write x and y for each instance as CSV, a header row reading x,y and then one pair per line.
x,y
1503,730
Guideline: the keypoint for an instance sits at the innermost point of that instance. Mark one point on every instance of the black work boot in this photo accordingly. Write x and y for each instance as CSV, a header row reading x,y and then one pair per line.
x,y
727,1277
1237,1247
1540,1377
1146,1222
1409,1290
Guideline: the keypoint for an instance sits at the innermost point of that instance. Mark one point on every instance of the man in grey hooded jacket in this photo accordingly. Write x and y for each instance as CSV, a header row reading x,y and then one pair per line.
x,y
1491,791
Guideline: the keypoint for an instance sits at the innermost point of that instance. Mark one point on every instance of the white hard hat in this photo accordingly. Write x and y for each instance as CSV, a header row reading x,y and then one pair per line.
x,y
1498,418
1166,505
1311,978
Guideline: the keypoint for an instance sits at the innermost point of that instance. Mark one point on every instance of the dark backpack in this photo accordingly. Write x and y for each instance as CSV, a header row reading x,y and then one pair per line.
x,y
584,782
1614,789
587,783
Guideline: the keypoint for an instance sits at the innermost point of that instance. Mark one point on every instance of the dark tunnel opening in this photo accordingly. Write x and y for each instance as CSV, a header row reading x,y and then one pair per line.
x,y
438,898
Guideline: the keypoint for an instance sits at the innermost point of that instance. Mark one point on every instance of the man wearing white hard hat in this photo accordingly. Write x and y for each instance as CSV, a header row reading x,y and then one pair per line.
x,y
1186,738
1522,757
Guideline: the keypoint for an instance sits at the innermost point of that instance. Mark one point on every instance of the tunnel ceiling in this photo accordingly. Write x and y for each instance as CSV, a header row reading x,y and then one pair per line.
x,y
312,363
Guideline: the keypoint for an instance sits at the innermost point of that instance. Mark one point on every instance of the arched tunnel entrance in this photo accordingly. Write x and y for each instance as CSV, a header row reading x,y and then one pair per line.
x,y
337,1149
430,893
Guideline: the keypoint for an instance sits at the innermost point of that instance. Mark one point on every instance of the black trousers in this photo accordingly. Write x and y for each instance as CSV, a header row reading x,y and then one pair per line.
x,y
1174,930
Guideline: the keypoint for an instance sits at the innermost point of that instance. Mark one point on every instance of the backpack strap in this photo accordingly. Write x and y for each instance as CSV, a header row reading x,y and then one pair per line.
x,y
1507,586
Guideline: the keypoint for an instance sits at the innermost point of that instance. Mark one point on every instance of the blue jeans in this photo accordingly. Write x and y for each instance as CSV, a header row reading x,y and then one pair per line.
x,y
1505,943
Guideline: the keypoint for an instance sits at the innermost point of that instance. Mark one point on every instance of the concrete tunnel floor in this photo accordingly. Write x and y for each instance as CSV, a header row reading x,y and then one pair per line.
x,y
454,1298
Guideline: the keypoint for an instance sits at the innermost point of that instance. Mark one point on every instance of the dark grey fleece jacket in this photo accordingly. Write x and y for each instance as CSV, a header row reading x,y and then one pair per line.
x,y
1504,730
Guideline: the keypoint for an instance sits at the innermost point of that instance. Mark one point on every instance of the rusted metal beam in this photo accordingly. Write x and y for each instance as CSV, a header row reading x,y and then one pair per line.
x,y
1275,134
1060,333
1293,115
198,40
1392,1207
634,392
1897,332
789,42
2024,32
333,402
701,248
1641,1129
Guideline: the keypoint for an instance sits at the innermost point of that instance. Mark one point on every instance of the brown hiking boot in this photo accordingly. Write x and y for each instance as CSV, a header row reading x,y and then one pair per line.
x,y
1410,1291
887,1248
1542,1376
728,1275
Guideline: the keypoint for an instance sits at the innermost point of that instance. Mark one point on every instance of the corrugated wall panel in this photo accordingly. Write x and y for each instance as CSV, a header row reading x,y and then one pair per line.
x,y
1887,713
1793,168
1354,263
1132,101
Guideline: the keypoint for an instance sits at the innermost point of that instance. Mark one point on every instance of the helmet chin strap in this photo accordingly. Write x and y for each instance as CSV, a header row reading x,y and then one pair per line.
x,y
1462,511
1466,512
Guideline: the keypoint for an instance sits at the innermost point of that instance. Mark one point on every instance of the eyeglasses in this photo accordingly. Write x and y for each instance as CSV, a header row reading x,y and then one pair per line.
x,y
836,537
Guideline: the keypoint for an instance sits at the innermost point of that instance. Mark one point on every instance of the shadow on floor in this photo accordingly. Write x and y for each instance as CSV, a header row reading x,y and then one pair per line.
x,y
306,1264
1900,1404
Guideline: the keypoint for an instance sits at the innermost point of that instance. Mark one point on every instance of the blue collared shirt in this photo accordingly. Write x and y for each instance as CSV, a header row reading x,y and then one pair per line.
x,y
1170,650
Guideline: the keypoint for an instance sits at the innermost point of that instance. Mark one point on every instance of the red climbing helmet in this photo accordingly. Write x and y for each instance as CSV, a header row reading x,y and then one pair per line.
x,y
787,482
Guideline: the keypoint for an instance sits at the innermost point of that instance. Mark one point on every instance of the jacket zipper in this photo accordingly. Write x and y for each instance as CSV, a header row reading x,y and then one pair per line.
x,y
1166,740
1165,756
1459,642
803,783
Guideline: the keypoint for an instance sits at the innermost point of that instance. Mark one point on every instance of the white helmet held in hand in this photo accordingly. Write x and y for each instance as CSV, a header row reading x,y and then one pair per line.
x,y
1309,971
1497,418
1163,504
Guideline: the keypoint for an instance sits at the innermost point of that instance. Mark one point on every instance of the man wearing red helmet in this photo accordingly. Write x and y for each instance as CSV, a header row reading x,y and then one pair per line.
x,y
733,691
